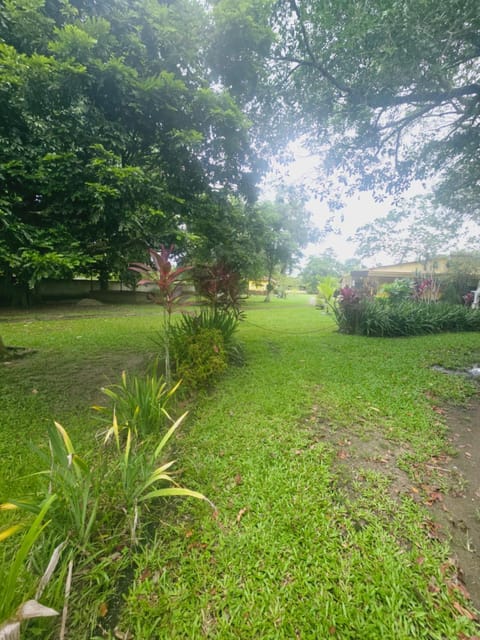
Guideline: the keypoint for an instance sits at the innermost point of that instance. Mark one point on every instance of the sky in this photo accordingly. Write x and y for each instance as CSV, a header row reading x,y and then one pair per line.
x,y
359,209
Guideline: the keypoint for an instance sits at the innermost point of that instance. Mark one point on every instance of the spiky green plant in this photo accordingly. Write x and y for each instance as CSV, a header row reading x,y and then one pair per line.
x,y
140,402
138,471
10,610
222,320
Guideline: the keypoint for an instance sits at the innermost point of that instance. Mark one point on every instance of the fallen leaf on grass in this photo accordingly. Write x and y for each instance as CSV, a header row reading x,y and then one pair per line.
x,y
434,496
241,513
434,529
458,586
238,479
146,573
432,587
103,610
197,545
439,410
342,454
463,611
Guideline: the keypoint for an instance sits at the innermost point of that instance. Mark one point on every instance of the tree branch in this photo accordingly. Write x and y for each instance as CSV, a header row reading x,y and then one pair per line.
x,y
380,100
435,97
313,59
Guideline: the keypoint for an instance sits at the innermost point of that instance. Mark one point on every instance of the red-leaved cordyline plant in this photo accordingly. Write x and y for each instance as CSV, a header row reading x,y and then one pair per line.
x,y
220,285
171,289
427,290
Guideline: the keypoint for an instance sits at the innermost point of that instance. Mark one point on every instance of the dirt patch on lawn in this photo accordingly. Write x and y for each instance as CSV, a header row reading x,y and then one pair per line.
x,y
458,512
448,485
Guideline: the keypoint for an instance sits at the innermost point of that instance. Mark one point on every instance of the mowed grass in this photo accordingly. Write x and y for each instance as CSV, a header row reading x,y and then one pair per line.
x,y
297,547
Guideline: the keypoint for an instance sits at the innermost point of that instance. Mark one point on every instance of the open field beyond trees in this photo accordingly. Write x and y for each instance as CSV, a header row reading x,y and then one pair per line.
x,y
319,455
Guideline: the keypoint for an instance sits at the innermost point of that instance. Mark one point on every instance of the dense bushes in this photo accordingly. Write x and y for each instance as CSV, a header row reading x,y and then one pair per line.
x,y
203,344
377,317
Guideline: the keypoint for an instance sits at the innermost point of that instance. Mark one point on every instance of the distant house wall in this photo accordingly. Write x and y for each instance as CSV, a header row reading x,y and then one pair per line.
x,y
376,276
80,288
258,286
412,269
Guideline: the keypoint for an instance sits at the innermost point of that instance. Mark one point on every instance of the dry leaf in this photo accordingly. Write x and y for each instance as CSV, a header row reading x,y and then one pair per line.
x,y
463,611
238,479
432,587
146,573
103,610
439,410
241,513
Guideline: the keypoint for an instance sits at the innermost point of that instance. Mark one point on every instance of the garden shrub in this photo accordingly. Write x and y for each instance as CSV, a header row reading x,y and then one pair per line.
x,y
380,318
347,310
200,357
399,290
139,402
225,321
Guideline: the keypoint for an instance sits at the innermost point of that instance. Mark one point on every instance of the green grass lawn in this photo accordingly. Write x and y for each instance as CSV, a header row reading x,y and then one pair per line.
x,y
305,542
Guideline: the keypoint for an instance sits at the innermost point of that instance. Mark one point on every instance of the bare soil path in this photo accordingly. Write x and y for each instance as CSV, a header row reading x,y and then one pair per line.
x,y
447,486
459,510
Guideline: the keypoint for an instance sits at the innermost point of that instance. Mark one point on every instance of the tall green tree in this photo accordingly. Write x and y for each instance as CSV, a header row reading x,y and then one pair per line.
x,y
284,228
321,266
387,91
112,135
226,231
416,229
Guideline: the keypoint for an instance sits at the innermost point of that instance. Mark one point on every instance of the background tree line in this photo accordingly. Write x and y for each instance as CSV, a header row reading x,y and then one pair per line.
x,y
129,123
115,136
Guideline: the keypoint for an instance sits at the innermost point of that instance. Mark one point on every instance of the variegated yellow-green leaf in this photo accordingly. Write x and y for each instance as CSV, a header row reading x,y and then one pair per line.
x,y
128,445
65,438
6,533
174,491
80,464
169,434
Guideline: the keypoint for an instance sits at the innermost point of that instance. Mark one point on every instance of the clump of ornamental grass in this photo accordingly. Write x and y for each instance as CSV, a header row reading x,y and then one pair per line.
x,y
98,501
140,402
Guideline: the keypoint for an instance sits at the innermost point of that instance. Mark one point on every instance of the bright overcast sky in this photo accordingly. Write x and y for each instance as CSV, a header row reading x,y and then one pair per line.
x,y
358,211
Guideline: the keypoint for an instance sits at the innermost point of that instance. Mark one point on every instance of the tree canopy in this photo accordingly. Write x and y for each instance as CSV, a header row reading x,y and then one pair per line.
x,y
415,229
321,266
113,134
386,90
126,123
283,230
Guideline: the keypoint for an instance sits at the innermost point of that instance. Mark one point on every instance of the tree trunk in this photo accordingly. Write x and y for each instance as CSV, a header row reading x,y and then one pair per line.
x,y
3,349
269,285
103,277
